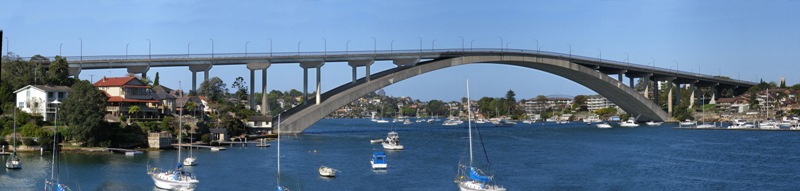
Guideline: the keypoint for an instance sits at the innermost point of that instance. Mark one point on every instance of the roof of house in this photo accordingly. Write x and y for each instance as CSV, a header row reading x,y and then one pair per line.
x,y
217,130
726,100
114,81
162,92
46,88
120,99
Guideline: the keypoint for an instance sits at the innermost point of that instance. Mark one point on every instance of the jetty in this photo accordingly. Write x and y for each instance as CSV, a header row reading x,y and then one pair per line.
x,y
128,152
213,148
743,129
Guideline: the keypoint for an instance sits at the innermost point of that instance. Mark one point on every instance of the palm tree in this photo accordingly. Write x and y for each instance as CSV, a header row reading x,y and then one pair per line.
x,y
190,106
134,110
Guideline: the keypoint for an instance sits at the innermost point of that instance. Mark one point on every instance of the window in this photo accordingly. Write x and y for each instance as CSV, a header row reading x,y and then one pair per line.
x,y
61,95
49,95
21,105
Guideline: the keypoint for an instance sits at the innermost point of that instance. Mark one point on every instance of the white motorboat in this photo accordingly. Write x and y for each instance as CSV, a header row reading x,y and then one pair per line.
x,y
527,121
481,121
562,122
603,125
381,121
177,178
263,143
706,126
502,122
13,161
325,171
378,161
654,123
795,127
688,123
629,123
593,119
740,124
469,177
392,142
407,122
768,125
452,122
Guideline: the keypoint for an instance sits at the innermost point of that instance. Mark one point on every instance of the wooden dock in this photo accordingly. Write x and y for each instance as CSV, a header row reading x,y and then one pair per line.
x,y
213,148
128,152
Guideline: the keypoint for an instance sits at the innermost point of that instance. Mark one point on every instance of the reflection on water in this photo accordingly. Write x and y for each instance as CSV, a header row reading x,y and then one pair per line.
x,y
523,157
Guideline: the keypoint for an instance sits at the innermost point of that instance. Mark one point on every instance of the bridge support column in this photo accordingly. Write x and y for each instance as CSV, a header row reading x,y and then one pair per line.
x,y
678,94
693,89
631,82
139,70
647,87
619,77
656,92
194,82
75,72
356,63
264,92
198,68
312,64
252,95
669,97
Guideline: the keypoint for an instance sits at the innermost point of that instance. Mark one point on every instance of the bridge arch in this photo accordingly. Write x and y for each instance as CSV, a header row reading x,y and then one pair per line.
x,y
298,119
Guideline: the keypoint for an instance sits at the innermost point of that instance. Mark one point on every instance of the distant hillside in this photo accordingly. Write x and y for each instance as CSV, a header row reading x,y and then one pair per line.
x,y
560,96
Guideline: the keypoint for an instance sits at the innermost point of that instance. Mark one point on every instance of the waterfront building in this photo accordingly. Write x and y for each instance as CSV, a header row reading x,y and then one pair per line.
x,y
159,140
168,101
597,102
126,92
259,124
37,99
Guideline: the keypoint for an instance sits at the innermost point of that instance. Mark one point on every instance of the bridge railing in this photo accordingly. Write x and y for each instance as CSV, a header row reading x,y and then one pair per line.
x,y
381,53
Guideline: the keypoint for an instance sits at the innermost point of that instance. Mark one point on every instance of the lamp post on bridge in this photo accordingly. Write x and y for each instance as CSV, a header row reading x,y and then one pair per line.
x,y
270,48
245,48
187,49
391,46
600,57
126,50
298,47
432,44
507,45
324,46
8,48
59,48
212,50
374,45
570,50
81,62
347,46
420,44
462,43
470,44
501,43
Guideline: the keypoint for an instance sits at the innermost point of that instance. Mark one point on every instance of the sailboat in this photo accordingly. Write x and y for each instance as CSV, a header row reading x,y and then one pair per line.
x,y
703,124
469,177
191,160
54,183
280,188
14,162
174,179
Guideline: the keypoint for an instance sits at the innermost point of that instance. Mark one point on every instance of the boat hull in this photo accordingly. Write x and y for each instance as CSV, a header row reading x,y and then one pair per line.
x,y
164,180
391,146
477,186
190,161
13,164
327,172
378,165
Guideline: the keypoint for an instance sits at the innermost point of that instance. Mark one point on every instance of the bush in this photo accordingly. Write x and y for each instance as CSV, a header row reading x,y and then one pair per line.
x,y
29,142
205,138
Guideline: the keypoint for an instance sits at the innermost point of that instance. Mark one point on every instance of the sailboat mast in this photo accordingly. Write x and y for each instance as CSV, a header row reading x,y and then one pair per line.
x,y
180,129
15,131
55,146
469,124
279,150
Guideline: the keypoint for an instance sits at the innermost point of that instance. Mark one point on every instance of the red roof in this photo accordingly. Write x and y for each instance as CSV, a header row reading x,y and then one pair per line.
x,y
113,81
120,99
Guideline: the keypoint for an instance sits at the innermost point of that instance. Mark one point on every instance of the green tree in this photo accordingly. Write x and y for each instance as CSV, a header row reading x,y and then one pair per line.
x,y
58,72
166,124
6,96
155,81
241,88
578,102
134,110
214,89
83,110
436,107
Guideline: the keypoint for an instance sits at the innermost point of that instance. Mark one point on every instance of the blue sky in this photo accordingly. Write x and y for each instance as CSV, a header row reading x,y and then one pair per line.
x,y
741,39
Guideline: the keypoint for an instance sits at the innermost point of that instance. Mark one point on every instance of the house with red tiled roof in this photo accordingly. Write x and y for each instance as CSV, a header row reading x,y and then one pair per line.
x,y
125,92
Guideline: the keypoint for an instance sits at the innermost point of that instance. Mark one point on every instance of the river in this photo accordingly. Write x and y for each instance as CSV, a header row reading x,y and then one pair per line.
x,y
523,157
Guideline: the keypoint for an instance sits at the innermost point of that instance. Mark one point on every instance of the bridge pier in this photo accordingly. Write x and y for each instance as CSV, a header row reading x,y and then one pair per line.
x,y
312,64
251,96
139,70
356,63
264,92
75,72
669,97
205,68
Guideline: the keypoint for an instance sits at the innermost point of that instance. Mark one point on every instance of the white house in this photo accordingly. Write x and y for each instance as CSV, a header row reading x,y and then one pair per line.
x,y
38,99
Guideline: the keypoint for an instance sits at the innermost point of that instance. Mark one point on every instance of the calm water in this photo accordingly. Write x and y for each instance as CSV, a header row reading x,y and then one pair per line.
x,y
524,157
